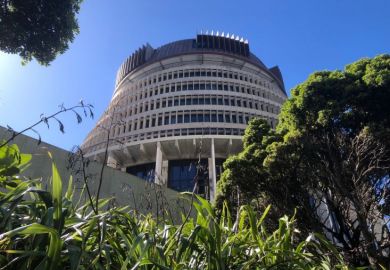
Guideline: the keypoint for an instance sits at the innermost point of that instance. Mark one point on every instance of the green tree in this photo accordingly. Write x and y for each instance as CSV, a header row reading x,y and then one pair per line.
x,y
38,29
333,161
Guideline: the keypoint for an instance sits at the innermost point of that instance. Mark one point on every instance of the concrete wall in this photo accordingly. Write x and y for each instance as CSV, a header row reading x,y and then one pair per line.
x,y
125,189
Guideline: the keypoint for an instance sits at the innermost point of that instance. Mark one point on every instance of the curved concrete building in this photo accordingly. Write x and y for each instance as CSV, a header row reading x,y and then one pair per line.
x,y
180,110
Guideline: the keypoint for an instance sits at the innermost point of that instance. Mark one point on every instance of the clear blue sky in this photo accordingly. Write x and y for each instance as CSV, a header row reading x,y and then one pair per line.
x,y
299,36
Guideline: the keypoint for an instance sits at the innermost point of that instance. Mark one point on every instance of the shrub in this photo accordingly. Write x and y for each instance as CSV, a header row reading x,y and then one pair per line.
x,y
41,229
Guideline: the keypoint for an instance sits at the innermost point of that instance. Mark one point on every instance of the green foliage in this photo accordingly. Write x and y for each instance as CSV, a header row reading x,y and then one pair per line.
x,y
244,176
332,143
42,230
38,29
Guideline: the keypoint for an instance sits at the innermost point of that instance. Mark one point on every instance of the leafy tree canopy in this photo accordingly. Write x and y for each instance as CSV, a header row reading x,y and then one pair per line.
x,y
39,29
330,150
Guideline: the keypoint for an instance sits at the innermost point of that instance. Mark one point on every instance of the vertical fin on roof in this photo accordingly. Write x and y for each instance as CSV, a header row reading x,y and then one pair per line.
x,y
227,43
139,57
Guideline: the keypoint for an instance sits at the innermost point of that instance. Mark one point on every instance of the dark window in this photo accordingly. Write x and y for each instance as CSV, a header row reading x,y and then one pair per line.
x,y
182,102
200,117
180,119
176,102
220,118
196,86
173,119
170,103
159,121
166,120
227,118
213,101
201,100
182,173
207,117
213,117
145,171
193,118
186,118
195,101
234,119
220,101
188,101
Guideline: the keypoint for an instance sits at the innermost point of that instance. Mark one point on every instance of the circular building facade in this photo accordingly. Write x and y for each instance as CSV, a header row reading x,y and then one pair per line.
x,y
180,110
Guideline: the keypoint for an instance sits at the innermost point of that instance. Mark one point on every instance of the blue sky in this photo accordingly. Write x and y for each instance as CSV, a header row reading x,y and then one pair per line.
x,y
299,36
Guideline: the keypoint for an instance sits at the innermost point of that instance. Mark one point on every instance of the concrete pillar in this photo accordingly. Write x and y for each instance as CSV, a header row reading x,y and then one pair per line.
x,y
111,161
164,173
212,173
158,167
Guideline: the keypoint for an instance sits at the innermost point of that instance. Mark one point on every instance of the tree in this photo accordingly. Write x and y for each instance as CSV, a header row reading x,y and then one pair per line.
x,y
332,162
38,29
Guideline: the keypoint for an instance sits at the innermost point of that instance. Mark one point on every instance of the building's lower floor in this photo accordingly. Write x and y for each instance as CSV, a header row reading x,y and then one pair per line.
x,y
178,163
183,174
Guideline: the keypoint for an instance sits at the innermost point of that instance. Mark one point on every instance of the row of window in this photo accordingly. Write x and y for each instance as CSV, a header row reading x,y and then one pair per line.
x,y
94,146
177,117
193,86
199,100
181,117
189,73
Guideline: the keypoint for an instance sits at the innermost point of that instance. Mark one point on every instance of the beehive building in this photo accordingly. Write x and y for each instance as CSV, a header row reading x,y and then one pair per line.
x,y
178,111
